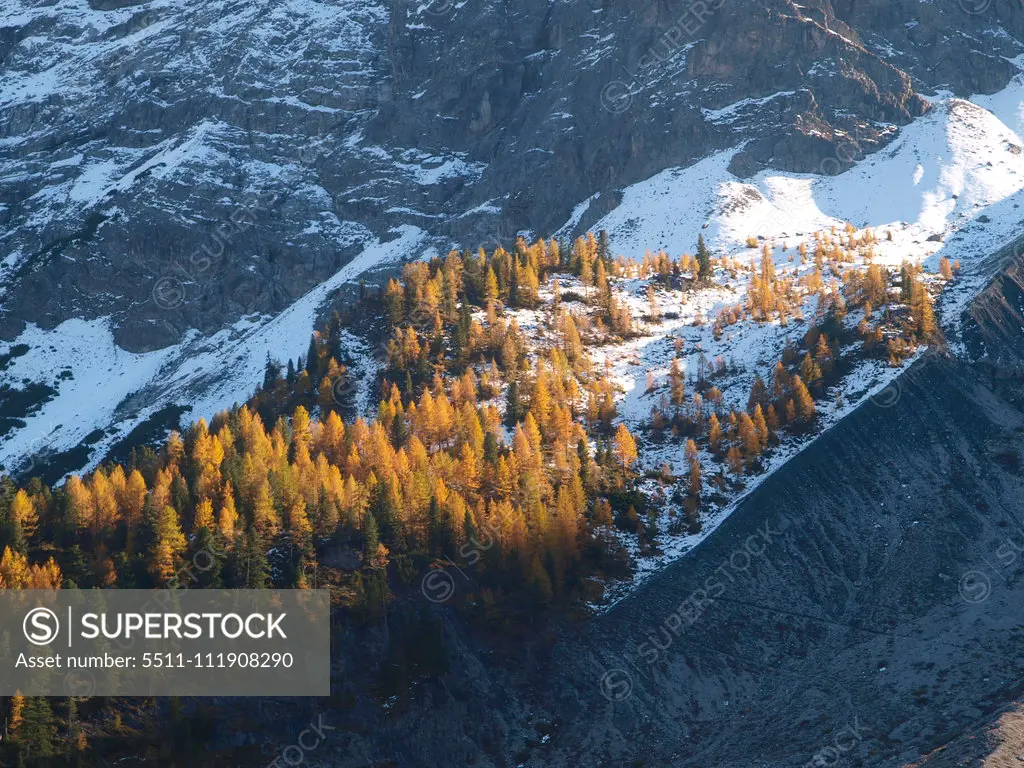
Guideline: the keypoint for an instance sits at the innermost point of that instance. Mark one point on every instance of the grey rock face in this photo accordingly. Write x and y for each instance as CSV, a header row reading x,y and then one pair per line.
x,y
134,134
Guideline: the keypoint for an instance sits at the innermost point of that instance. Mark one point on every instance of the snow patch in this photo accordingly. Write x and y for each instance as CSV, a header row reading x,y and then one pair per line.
x,y
208,374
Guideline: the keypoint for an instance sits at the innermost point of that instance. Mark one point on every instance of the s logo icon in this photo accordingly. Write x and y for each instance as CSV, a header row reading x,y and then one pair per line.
x,y
41,626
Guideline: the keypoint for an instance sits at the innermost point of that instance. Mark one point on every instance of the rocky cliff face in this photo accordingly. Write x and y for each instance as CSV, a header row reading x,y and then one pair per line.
x,y
181,165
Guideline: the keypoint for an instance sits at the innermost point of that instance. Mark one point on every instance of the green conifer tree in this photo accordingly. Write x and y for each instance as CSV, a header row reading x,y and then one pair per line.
x,y
703,260
38,729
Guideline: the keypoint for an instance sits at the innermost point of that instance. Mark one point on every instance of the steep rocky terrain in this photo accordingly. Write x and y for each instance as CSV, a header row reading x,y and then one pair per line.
x,y
131,132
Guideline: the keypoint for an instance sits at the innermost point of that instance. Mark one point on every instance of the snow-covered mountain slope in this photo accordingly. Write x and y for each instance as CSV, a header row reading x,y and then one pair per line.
x,y
939,178
956,173
99,386
948,185
184,183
